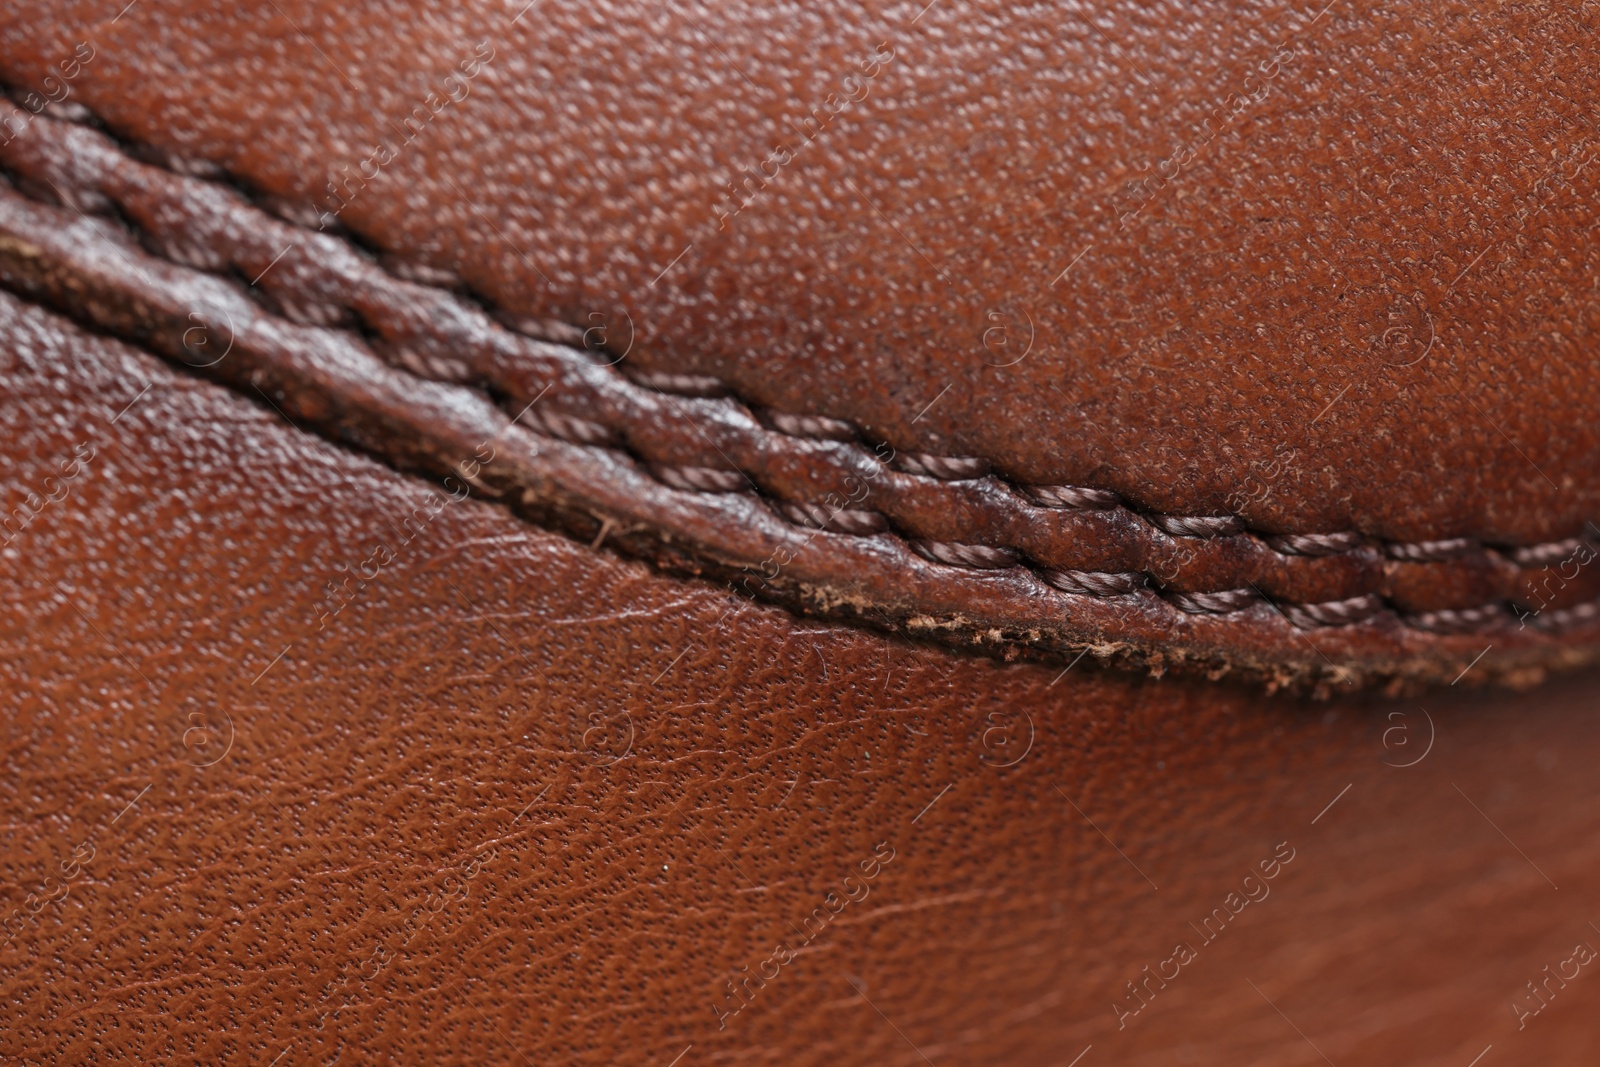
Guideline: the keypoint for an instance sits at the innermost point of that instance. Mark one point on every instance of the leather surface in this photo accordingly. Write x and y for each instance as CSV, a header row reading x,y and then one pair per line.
x,y
1305,264
272,794
309,759
797,509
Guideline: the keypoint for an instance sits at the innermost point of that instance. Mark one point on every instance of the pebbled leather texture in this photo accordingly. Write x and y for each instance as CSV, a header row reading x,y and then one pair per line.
x,y
1322,265
226,289
272,794
328,740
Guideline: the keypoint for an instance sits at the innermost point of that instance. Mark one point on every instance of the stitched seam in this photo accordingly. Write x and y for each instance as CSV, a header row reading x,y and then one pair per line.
x,y
945,468
980,556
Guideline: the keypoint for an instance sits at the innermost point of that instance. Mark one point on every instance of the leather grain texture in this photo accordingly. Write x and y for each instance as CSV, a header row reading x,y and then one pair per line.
x,y
309,764
795,508
1247,340
1324,264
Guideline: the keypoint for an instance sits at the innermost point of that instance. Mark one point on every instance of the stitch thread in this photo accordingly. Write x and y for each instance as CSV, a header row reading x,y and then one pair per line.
x,y
818,426
943,467
1314,544
696,385
699,479
1198,525
1459,620
1228,600
581,432
1332,612
1561,619
864,522
1071,496
834,520
1094,583
980,557
1431,551
1546,554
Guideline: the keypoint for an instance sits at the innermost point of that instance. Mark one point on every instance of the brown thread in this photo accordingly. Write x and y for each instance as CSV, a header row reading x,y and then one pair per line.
x,y
1459,620
980,557
1071,496
1546,554
1561,619
1314,544
697,385
834,520
945,468
1225,602
700,479
1431,551
1094,583
817,426
704,479
1198,525
578,431
1333,612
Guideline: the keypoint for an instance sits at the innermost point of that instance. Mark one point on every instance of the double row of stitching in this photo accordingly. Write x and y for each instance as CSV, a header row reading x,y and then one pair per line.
x,y
690,435
583,431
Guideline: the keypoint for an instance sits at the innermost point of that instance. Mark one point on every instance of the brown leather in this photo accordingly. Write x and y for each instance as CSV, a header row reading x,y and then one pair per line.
x,y
1328,320
313,759
1224,406
930,545
610,793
